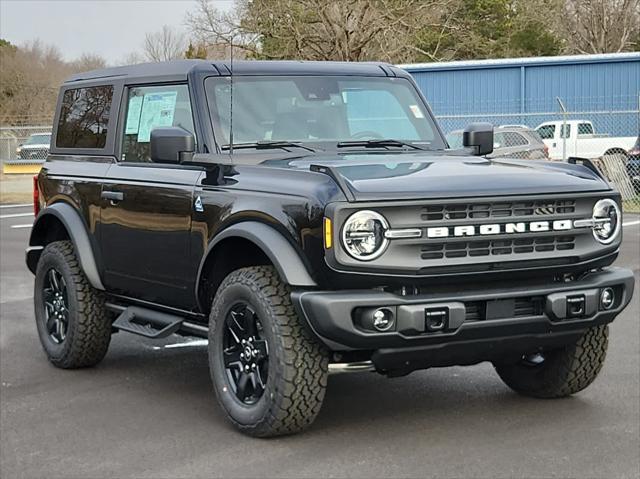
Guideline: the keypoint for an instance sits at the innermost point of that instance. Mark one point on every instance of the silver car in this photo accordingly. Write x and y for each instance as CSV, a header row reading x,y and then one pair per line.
x,y
35,148
513,141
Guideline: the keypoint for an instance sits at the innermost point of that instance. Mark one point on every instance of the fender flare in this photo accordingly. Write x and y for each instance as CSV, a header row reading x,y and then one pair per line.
x,y
280,252
77,230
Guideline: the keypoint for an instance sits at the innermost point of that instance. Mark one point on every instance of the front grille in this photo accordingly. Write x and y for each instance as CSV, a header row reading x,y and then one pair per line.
x,y
462,236
463,249
497,210
524,306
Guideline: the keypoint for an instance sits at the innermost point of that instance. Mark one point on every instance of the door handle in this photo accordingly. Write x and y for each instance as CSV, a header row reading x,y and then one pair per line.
x,y
112,196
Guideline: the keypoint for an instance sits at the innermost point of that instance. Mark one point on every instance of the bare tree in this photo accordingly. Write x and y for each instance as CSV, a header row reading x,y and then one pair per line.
x,y
352,30
29,80
132,58
89,61
166,44
601,26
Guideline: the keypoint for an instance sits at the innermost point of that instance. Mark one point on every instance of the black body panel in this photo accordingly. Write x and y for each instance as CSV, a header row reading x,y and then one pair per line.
x,y
420,175
145,235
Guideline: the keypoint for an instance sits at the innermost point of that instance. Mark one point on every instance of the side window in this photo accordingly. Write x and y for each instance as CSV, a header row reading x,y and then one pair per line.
x,y
149,107
585,129
546,132
84,117
565,132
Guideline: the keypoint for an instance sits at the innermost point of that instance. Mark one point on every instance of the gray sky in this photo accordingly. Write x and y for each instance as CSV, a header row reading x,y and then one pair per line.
x,y
110,28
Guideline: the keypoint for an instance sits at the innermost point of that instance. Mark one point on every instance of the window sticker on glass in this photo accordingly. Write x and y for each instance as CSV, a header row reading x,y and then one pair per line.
x,y
157,110
417,112
133,115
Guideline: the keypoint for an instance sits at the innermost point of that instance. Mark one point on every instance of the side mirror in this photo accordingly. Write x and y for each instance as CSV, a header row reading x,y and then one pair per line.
x,y
480,137
171,144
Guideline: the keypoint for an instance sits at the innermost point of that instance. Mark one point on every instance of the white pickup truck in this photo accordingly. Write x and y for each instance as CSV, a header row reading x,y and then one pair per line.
x,y
578,138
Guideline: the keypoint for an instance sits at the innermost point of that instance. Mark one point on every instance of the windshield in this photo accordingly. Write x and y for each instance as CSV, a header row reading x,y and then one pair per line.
x,y
38,140
320,111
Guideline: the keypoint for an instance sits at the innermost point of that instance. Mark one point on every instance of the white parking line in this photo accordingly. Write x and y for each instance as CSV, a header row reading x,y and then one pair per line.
x,y
631,223
21,226
15,215
23,205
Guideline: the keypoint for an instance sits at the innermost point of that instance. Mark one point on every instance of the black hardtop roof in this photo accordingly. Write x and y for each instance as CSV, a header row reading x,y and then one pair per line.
x,y
178,69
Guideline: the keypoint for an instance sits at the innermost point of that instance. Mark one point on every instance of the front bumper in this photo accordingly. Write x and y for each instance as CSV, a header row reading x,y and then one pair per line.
x,y
481,323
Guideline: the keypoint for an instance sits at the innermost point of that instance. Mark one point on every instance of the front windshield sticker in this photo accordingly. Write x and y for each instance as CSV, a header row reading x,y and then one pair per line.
x,y
157,110
417,112
133,115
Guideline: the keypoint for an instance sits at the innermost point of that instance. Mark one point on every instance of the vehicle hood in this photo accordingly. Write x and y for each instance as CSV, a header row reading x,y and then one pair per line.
x,y
420,175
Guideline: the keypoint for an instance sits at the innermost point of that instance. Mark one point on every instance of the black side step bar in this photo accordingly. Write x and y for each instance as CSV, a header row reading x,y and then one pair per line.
x,y
147,322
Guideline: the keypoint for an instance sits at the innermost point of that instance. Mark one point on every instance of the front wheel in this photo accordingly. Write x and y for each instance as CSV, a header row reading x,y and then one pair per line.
x,y
560,372
268,371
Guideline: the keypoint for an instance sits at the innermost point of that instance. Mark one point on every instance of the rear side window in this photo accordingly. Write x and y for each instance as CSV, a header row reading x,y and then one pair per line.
x,y
546,132
84,117
585,129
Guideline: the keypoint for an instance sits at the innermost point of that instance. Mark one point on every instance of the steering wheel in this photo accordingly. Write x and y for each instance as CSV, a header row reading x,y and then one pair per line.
x,y
366,134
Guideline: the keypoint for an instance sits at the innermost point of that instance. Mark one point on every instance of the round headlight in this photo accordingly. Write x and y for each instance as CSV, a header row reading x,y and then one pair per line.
x,y
607,218
363,235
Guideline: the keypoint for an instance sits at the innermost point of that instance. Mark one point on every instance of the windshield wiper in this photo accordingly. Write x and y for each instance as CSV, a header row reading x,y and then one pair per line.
x,y
378,143
267,145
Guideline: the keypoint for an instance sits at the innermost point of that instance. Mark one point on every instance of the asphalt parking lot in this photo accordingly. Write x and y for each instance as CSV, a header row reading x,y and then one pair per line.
x,y
148,411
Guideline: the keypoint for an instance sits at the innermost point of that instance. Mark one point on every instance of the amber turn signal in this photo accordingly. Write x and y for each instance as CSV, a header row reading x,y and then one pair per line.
x,y
328,233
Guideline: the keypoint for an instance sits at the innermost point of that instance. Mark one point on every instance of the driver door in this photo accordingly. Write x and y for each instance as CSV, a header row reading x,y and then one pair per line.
x,y
147,206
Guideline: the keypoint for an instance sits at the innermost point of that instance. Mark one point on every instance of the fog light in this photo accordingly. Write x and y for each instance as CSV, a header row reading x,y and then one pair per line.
x,y
382,319
607,298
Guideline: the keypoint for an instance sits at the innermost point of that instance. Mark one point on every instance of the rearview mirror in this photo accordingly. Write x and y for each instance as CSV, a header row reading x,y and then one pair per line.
x,y
478,136
171,144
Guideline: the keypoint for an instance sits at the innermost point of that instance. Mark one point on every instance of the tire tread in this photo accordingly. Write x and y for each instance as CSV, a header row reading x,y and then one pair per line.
x,y
569,370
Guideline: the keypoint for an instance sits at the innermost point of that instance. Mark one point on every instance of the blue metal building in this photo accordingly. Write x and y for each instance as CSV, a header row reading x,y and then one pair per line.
x,y
525,90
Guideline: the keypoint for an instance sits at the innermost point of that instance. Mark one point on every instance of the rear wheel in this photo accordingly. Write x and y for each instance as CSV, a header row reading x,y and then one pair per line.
x,y
73,326
268,371
560,372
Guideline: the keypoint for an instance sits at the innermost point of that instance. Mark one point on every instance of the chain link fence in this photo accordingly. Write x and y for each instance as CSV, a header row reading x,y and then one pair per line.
x,y
24,144
603,130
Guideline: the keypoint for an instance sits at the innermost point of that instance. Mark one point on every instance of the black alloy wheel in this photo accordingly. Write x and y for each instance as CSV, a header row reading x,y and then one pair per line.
x,y
245,353
56,306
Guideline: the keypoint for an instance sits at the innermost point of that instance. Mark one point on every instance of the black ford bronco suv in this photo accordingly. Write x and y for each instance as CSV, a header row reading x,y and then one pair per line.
x,y
309,218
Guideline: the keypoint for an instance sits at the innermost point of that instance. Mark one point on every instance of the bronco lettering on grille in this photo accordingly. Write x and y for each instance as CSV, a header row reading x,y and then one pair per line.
x,y
499,228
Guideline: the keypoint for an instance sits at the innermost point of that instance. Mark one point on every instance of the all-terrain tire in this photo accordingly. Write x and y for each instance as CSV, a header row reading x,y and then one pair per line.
x,y
297,362
88,330
563,371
